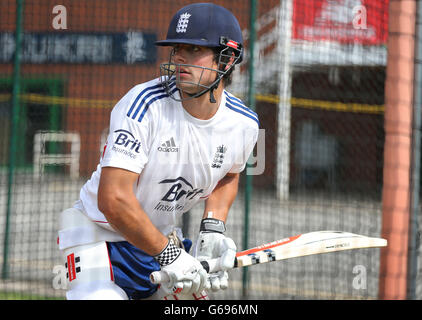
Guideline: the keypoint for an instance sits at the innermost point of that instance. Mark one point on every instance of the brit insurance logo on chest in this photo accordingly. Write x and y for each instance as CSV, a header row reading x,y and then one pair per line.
x,y
178,192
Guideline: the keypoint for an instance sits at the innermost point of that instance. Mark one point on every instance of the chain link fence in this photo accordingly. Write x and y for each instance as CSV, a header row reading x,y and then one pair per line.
x,y
318,73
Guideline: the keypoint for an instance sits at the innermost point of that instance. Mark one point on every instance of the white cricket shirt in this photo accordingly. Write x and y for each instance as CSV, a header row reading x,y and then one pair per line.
x,y
180,158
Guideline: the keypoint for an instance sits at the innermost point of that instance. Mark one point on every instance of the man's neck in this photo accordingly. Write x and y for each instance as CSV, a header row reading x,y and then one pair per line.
x,y
201,107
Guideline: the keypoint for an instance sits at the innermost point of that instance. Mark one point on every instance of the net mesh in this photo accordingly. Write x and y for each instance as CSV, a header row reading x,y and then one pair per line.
x,y
319,77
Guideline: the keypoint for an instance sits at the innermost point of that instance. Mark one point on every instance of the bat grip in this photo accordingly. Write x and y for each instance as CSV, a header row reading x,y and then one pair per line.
x,y
210,266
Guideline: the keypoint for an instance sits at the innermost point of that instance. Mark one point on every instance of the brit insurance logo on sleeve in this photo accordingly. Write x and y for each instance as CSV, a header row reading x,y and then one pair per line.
x,y
126,144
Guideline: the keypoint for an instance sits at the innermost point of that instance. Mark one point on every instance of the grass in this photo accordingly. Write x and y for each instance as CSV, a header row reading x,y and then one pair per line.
x,y
24,296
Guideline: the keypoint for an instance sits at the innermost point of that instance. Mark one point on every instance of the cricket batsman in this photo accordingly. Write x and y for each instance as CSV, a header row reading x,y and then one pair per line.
x,y
175,141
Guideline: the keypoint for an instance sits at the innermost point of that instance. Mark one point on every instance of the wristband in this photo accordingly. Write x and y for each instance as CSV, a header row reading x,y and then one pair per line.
x,y
212,225
168,255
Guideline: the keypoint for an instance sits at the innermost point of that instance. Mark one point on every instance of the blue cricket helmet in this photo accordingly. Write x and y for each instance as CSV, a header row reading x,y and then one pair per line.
x,y
205,24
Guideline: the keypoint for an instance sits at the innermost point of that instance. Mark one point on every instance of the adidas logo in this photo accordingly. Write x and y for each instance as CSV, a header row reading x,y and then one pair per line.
x,y
168,146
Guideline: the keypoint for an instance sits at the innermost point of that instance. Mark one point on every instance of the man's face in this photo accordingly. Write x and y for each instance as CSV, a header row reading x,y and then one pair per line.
x,y
189,77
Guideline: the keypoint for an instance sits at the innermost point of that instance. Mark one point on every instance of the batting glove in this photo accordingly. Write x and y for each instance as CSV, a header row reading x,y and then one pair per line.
x,y
187,276
211,244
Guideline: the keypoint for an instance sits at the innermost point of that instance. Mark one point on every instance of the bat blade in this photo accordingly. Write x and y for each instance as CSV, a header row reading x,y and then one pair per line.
x,y
306,244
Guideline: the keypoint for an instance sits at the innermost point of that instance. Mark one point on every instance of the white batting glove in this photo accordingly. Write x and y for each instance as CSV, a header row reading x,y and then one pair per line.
x,y
211,244
187,276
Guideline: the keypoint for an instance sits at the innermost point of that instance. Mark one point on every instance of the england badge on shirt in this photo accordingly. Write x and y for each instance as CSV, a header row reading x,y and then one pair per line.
x,y
219,157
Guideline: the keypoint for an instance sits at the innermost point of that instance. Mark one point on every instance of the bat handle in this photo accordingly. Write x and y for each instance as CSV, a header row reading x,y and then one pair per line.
x,y
210,266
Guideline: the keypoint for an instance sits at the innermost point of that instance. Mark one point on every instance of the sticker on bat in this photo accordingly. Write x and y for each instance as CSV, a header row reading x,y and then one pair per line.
x,y
270,254
254,258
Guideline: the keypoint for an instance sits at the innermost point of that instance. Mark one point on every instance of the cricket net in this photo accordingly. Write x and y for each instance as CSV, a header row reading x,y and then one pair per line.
x,y
314,71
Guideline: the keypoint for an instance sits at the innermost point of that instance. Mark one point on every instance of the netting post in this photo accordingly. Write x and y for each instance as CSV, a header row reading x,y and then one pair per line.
x,y
13,133
251,103
397,150
284,105
417,109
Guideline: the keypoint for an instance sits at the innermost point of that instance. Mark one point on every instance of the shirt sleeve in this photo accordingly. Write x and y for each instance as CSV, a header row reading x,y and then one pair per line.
x,y
128,139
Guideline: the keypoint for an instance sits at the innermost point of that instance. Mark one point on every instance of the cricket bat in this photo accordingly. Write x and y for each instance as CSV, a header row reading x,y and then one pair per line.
x,y
297,246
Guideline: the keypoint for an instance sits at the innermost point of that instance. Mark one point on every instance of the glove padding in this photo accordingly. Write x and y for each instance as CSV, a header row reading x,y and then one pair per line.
x,y
211,245
187,276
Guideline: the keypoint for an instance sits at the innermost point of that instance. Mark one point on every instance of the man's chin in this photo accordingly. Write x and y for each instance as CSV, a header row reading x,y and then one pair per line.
x,y
188,89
